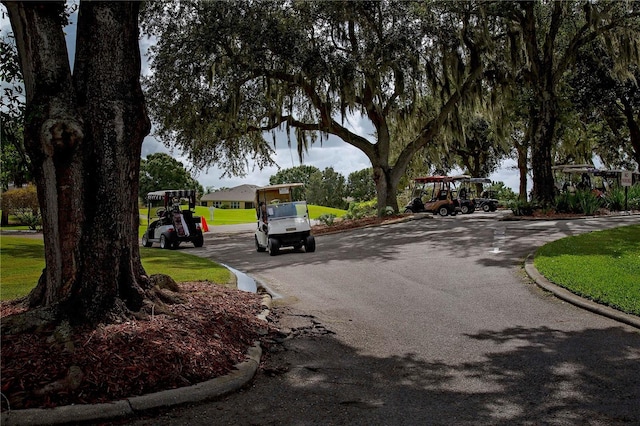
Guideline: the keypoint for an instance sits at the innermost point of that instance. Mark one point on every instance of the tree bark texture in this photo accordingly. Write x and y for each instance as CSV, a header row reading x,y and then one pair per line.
x,y
542,76
542,125
523,168
634,129
84,133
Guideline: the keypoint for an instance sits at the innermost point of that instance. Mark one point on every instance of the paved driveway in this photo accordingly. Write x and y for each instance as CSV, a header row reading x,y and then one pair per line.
x,y
427,322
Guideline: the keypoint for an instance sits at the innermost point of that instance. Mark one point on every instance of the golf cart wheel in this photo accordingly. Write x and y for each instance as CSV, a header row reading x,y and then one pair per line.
x,y
259,248
310,244
443,211
274,246
145,240
165,243
198,241
486,207
464,209
408,211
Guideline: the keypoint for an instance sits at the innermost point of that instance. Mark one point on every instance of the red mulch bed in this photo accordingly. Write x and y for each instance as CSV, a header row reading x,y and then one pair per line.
x,y
200,339
346,224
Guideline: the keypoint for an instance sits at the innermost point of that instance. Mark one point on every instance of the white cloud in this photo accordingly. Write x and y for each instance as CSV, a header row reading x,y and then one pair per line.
x,y
510,175
343,157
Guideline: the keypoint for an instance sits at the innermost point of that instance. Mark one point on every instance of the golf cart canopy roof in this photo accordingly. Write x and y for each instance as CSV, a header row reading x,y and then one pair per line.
x,y
279,186
479,180
171,193
168,194
590,169
429,179
463,178
576,168
570,167
276,193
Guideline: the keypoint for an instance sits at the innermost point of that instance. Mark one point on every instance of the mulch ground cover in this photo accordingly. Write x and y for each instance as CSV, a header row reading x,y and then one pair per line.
x,y
200,339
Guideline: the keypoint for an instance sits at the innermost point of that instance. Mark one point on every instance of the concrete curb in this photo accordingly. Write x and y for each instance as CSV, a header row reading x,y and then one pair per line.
x,y
576,300
220,386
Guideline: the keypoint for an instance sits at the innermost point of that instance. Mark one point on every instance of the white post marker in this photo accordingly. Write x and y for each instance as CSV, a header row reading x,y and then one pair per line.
x,y
211,209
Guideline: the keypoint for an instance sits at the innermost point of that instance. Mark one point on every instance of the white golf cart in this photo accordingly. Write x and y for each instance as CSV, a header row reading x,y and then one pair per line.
x,y
174,224
282,222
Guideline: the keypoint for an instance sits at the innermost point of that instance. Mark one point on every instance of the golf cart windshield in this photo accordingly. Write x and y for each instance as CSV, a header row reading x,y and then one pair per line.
x,y
287,210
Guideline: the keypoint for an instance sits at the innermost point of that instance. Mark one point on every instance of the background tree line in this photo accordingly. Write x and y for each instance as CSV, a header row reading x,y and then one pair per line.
x,y
328,188
441,83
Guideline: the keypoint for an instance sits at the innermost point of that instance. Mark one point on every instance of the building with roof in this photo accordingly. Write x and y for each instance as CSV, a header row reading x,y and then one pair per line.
x,y
240,197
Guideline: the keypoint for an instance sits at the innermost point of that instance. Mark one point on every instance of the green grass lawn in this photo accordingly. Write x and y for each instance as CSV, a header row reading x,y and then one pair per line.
x,y
235,216
21,264
22,261
603,266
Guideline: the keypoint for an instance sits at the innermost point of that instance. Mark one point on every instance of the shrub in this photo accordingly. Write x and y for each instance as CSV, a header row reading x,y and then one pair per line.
x,y
614,198
327,218
23,204
388,211
634,197
521,207
26,217
565,203
360,210
587,202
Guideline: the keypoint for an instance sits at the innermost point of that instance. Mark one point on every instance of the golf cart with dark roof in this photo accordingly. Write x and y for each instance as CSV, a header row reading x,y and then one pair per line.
x,y
433,194
282,222
176,222
483,197
462,195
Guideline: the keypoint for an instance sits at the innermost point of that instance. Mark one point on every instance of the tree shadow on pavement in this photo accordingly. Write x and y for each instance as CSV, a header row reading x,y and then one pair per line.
x,y
491,242
530,376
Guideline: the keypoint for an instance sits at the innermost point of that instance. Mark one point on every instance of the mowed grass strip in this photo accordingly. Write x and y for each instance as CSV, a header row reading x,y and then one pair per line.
x,y
21,264
22,261
603,266
182,266
237,216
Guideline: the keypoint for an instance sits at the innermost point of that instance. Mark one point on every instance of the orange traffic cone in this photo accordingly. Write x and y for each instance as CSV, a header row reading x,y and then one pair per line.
x,y
203,224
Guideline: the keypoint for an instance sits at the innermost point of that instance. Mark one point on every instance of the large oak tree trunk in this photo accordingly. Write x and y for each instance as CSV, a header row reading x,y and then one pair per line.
x,y
83,133
542,125
386,187
523,169
634,129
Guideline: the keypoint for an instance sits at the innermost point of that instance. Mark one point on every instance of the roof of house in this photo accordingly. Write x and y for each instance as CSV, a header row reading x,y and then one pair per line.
x,y
239,193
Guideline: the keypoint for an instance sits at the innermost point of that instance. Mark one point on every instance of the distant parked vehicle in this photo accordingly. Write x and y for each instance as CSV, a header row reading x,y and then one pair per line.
x,y
174,224
463,194
477,190
282,222
433,194
585,177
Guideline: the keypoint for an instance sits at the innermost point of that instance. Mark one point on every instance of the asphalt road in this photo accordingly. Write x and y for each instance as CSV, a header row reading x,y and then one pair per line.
x,y
426,322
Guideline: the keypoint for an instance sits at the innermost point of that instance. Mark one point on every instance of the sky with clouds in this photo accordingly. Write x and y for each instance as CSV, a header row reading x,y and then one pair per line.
x,y
343,157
